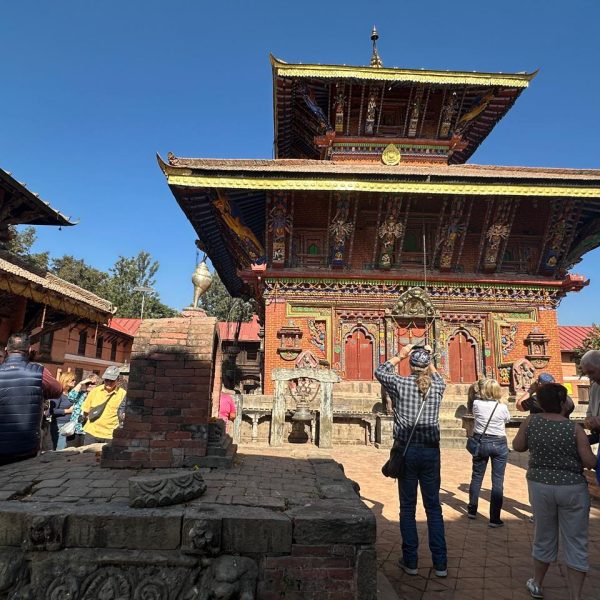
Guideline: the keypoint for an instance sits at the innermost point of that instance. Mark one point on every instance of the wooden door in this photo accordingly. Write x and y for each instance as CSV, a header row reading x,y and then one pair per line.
x,y
409,333
463,359
359,356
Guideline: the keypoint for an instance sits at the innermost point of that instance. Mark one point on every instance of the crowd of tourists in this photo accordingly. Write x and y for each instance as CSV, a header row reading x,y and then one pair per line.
x,y
41,413
559,451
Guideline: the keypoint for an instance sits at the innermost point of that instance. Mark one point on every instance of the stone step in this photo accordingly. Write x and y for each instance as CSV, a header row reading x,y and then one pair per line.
x,y
453,443
451,432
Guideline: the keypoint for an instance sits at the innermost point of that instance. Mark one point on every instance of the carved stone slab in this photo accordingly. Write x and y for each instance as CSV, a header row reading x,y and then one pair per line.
x,y
148,491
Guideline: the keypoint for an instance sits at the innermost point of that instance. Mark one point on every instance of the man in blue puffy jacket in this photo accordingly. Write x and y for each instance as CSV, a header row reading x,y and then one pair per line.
x,y
24,386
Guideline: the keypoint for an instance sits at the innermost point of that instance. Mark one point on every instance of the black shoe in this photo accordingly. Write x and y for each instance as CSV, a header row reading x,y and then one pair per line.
x,y
496,524
441,570
409,569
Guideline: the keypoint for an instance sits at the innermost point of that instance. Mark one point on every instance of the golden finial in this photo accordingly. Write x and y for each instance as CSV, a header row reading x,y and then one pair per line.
x,y
375,58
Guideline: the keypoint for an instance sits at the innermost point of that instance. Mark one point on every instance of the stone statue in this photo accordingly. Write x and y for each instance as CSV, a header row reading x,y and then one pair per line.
x,y
202,280
523,375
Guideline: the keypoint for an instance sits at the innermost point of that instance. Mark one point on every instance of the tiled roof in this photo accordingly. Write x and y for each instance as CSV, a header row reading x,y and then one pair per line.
x,y
329,167
40,212
127,326
248,331
572,336
45,288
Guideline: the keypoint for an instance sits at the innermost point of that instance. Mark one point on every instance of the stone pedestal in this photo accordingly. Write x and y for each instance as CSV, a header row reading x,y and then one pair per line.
x,y
168,396
384,431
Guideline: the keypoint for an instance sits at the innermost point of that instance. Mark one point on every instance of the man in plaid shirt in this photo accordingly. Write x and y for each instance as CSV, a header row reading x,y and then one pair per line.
x,y
422,457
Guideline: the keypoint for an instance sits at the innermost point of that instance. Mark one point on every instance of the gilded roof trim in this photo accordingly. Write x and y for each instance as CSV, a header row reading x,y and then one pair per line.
x,y
390,187
514,80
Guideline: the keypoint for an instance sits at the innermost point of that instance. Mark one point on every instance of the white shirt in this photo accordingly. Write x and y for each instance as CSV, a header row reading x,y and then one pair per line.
x,y
482,409
594,402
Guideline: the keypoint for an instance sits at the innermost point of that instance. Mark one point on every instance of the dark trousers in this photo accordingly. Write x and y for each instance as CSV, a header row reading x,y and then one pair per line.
x,y
494,448
422,469
90,439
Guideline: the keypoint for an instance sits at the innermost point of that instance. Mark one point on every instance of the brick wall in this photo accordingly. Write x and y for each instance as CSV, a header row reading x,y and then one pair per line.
x,y
169,394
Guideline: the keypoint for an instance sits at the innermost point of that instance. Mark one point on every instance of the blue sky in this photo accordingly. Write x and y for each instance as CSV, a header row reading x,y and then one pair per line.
x,y
92,90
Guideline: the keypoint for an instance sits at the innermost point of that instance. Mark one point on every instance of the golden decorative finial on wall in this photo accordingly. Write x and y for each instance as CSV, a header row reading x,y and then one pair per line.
x,y
375,58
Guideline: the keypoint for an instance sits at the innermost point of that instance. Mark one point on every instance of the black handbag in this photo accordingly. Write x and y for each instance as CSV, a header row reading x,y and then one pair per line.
x,y
473,443
395,465
96,412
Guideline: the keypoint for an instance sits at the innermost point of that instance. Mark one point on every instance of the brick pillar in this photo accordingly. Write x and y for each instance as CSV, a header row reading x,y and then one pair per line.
x,y
168,395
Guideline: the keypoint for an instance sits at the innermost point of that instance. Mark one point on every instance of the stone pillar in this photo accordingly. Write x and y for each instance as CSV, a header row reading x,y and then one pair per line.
x,y
326,415
384,431
168,395
278,414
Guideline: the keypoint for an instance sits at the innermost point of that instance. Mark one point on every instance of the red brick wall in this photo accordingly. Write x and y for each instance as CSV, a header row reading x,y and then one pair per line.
x,y
169,394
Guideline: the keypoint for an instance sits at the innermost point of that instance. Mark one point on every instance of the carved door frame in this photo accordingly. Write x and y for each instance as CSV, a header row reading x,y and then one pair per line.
x,y
369,335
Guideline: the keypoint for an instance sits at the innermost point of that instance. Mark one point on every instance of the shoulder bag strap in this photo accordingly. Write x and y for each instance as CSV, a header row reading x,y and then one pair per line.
x,y
488,421
416,422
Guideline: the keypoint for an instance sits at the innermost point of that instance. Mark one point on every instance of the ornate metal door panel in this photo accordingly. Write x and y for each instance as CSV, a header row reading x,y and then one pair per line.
x,y
359,356
463,358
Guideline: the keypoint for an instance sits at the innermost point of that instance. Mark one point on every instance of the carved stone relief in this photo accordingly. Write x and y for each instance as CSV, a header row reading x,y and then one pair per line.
x,y
148,491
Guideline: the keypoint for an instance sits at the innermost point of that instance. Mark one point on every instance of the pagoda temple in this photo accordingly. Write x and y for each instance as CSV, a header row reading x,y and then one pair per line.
x,y
369,231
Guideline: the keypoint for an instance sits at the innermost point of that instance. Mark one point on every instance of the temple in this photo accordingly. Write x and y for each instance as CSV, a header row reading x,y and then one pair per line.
x,y
368,231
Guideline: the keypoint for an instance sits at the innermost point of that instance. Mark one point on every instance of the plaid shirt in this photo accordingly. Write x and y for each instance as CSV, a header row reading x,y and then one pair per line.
x,y
406,399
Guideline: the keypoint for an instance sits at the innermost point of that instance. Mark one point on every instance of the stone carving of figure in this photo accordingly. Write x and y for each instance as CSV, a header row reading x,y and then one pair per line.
x,y
523,375
340,101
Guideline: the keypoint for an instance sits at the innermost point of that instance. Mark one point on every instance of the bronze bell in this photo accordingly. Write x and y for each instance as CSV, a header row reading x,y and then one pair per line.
x,y
302,413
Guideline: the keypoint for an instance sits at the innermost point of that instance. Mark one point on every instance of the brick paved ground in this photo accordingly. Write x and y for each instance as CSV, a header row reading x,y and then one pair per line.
x,y
484,563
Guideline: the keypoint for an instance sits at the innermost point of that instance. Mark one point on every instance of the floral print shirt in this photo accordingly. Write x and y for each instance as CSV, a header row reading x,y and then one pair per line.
x,y
77,399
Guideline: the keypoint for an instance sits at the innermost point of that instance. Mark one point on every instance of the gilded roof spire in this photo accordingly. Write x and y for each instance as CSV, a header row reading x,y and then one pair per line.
x,y
375,58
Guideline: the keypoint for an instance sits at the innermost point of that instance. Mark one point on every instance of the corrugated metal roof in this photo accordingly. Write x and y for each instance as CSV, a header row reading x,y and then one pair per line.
x,y
572,336
128,326
248,331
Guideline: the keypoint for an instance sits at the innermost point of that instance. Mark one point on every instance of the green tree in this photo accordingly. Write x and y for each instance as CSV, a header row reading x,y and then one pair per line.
x,y
591,342
217,302
129,273
20,244
77,271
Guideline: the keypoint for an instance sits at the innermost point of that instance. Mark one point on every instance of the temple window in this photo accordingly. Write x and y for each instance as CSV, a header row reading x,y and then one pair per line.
x,y
46,343
99,346
113,351
82,343
313,249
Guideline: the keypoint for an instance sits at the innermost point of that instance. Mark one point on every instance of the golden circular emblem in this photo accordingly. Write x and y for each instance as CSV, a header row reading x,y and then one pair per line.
x,y
391,155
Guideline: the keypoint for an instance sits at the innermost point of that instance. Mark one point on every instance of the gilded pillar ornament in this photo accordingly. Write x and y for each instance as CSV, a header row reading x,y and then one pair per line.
x,y
451,233
448,113
341,229
340,102
389,231
495,235
415,112
371,110
279,226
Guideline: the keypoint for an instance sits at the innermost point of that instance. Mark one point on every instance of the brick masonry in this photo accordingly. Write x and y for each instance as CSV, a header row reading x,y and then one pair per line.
x,y
169,394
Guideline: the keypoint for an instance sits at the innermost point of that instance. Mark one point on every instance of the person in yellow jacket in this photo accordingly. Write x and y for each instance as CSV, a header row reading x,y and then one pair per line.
x,y
101,408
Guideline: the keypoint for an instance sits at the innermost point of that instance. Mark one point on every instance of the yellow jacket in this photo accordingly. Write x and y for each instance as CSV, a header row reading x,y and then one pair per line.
x,y
104,426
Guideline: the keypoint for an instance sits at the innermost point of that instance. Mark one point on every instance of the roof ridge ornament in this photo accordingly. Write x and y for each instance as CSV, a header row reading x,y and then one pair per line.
x,y
375,58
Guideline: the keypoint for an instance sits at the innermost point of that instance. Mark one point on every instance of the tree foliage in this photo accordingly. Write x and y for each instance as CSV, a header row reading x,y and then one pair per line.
x,y
21,243
217,302
116,286
591,342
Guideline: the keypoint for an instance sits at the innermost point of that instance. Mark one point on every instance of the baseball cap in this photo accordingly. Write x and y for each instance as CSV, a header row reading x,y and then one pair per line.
x,y
419,358
112,373
545,378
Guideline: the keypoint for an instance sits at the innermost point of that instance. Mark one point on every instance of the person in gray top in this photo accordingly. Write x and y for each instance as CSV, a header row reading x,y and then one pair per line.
x,y
558,452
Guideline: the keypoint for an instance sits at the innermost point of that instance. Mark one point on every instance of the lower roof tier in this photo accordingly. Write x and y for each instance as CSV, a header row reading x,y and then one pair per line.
x,y
504,223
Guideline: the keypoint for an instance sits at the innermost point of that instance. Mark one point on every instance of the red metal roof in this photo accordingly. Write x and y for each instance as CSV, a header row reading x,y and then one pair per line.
x,y
127,326
572,336
248,331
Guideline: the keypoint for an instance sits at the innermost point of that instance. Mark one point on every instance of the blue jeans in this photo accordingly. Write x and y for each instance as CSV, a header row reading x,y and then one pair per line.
x,y
422,468
496,448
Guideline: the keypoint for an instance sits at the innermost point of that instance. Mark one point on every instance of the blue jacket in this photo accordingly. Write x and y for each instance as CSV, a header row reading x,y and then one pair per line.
x,y
21,406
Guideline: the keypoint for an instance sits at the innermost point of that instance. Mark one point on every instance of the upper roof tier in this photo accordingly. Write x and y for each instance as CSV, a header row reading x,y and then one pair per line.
x,y
354,113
